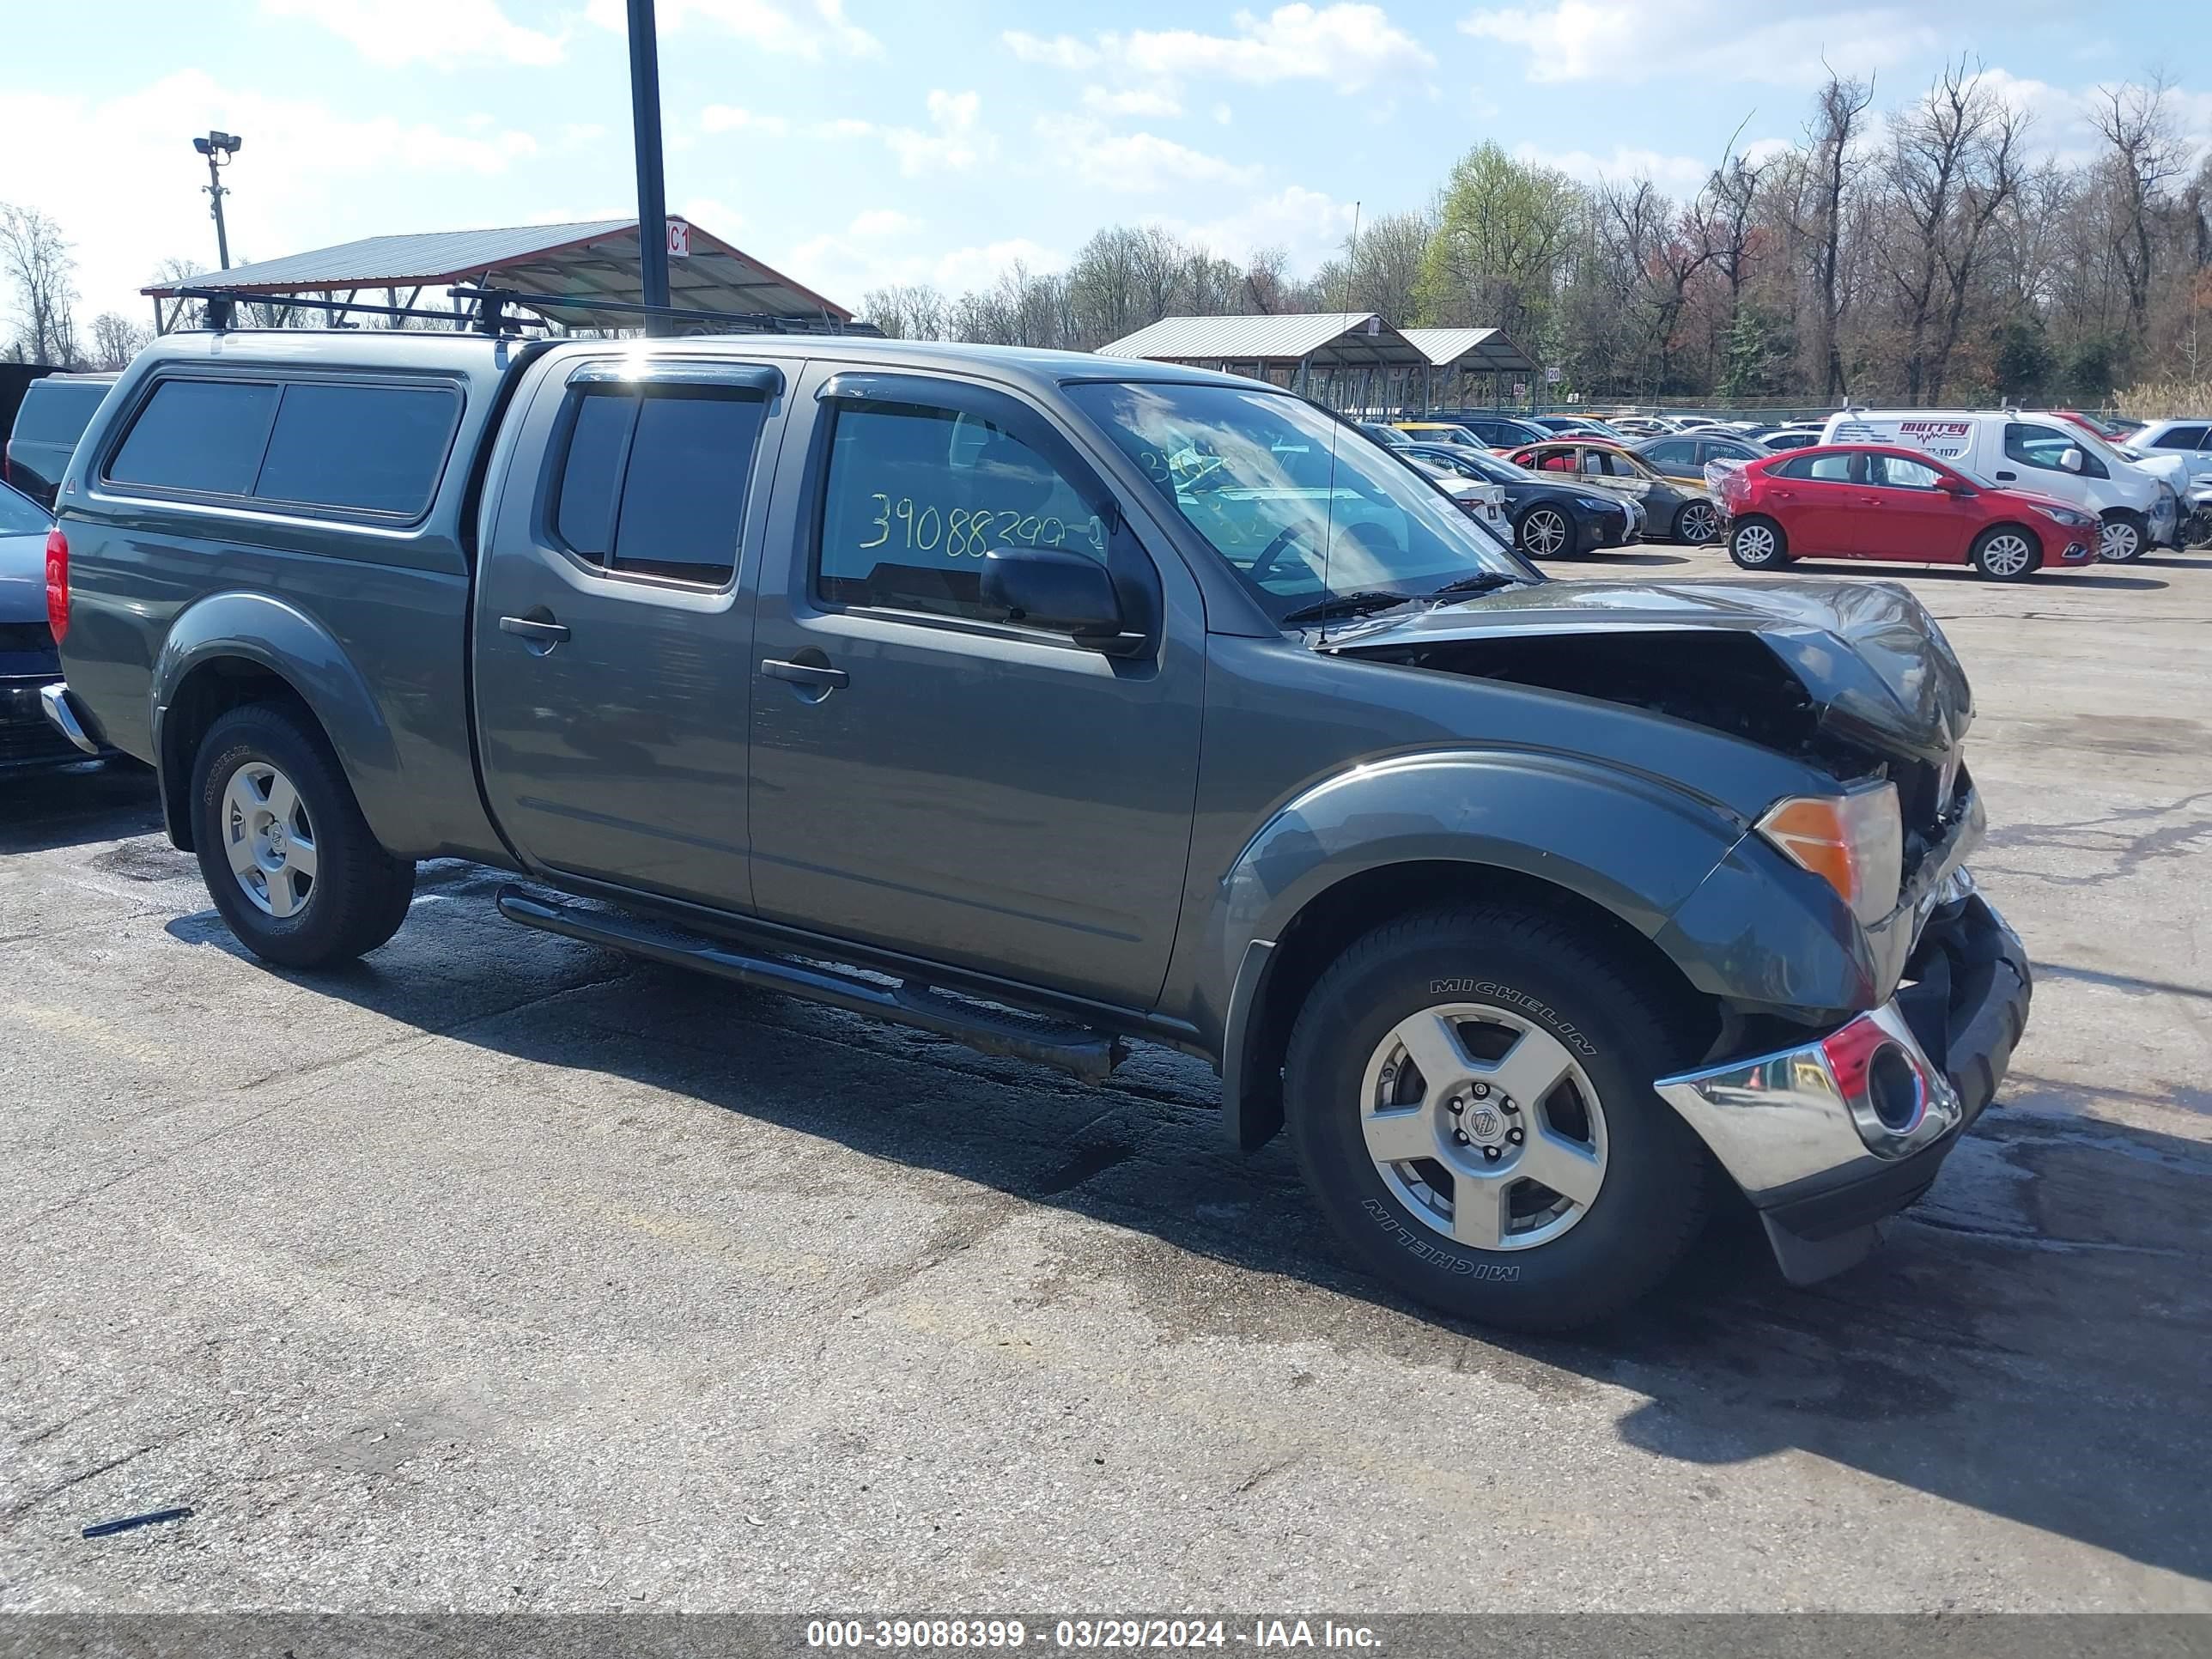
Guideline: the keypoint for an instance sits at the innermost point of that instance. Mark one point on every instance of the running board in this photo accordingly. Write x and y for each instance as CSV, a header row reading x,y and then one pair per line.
x,y
1076,1049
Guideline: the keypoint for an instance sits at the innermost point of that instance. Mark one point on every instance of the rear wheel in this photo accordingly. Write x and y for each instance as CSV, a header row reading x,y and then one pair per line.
x,y
288,860
1697,523
2007,553
1758,543
2123,538
1469,1091
1545,532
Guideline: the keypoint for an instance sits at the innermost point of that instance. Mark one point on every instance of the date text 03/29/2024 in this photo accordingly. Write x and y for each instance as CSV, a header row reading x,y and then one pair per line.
x,y
1084,1633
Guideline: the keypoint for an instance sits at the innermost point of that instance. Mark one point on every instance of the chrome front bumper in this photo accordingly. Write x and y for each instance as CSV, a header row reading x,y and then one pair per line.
x,y
1829,1138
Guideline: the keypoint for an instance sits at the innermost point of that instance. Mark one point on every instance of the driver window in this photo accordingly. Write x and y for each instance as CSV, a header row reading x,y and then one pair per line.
x,y
1594,462
2036,446
916,495
1898,473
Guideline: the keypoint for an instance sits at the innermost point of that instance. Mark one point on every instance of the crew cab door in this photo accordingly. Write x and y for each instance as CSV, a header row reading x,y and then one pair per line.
x,y
927,776
611,665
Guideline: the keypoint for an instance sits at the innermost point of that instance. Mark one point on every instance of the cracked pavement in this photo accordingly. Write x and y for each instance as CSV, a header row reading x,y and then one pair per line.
x,y
499,1272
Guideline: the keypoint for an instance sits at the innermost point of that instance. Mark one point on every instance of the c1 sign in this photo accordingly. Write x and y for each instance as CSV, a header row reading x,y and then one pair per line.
x,y
679,240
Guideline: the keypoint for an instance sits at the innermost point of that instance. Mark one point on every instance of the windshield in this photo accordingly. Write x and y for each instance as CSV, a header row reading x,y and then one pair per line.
x,y
1302,510
21,516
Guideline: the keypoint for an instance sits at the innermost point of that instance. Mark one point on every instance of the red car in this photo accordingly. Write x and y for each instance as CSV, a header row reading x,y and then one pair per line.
x,y
1866,501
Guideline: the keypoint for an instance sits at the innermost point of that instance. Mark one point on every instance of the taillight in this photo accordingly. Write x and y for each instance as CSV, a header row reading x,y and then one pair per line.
x,y
58,594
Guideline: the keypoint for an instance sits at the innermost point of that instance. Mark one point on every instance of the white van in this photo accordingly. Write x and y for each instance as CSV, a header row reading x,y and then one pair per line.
x,y
2139,509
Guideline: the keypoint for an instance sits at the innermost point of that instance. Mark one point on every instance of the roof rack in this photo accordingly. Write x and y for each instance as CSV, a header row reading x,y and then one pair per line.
x,y
494,311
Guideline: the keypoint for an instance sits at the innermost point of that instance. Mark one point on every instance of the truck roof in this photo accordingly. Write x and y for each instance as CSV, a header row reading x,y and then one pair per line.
x,y
453,351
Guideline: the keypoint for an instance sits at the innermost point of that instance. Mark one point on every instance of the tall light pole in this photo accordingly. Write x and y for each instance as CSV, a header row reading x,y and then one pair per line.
x,y
219,148
652,193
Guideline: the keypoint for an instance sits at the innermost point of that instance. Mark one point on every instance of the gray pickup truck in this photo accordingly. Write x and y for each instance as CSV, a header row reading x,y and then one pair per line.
x,y
1052,702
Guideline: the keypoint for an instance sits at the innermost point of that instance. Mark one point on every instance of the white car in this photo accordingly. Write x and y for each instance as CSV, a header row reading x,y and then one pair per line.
x,y
1483,503
2138,503
2191,440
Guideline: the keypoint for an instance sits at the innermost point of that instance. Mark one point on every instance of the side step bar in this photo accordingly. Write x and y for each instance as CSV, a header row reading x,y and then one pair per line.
x,y
1087,1054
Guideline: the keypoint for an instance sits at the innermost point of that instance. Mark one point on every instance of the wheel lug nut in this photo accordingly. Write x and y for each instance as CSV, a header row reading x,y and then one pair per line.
x,y
1459,1136
1455,1106
1509,1108
1491,1154
1482,1091
1515,1135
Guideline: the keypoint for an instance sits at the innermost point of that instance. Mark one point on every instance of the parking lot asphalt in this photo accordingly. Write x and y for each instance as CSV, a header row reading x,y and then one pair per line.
x,y
499,1272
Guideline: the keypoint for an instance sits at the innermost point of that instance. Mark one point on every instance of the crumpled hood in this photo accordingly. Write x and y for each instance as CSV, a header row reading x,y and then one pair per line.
x,y
1867,652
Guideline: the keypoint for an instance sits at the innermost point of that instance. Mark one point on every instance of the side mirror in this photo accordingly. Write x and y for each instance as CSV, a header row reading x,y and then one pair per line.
x,y
1956,487
1045,587
2072,459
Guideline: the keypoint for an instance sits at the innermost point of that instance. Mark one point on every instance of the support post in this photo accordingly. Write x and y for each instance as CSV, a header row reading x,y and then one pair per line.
x,y
652,192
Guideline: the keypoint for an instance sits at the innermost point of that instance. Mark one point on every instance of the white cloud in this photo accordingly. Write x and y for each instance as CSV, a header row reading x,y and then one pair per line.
x,y
1711,41
1679,175
442,32
1310,226
954,142
848,264
728,117
1350,46
844,126
763,23
884,223
1136,163
124,188
1061,51
1138,101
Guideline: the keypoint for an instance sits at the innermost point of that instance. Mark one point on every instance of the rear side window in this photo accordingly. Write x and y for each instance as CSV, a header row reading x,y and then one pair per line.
x,y
341,447
361,448
2182,437
56,411
1679,453
653,479
203,436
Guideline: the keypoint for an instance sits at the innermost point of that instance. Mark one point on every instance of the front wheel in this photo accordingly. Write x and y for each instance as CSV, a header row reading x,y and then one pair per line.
x,y
1698,523
2006,554
288,860
2122,537
1546,533
1469,1091
1758,543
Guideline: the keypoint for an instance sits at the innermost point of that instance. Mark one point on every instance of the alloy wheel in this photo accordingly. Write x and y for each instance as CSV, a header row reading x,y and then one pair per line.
x,y
1697,523
1754,544
2006,555
2119,541
1483,1125
1543,532
269,839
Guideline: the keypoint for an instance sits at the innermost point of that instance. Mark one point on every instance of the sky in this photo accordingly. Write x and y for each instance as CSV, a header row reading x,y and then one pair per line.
x,y
851,144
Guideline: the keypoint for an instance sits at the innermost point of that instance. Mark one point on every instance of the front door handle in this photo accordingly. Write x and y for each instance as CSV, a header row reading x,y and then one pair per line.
x,y
815,676
537,632
2005,478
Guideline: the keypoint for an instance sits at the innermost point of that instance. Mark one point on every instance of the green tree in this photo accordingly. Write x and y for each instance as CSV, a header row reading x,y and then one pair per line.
x,y
2024,362
1503,230
1754,357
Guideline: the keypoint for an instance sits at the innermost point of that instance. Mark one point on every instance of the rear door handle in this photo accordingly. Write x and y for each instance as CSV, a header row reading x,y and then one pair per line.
x,y
2005,478
805,673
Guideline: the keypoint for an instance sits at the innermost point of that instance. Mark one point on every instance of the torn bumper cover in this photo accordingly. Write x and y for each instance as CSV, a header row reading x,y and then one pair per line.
x,y
1830,1139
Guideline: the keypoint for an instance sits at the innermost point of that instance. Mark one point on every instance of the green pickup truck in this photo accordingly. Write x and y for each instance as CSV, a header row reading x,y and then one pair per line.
x,y
1054,702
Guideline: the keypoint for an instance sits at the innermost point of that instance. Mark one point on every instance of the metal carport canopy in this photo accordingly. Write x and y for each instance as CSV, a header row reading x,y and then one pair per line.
x,y
1471,350
590,257
1328,339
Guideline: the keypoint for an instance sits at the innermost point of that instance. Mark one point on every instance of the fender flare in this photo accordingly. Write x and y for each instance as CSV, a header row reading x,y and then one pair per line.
x,y
261,629
1635,845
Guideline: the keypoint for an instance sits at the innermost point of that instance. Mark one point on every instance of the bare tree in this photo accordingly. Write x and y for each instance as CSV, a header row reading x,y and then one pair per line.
x,y
36,264
116,340
2147,155
1836,120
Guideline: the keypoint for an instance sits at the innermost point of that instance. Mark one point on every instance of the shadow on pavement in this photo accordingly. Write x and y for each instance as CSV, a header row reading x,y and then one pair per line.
x,y
2031,1342
95,800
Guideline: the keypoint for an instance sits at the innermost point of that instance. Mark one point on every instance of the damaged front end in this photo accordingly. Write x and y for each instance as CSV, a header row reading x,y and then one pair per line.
x,y
1844,1074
